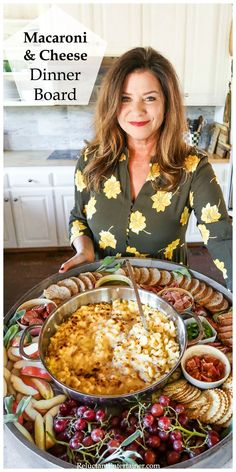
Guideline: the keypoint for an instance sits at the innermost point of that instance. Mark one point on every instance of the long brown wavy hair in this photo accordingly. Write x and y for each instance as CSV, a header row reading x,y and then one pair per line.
x,y
110,139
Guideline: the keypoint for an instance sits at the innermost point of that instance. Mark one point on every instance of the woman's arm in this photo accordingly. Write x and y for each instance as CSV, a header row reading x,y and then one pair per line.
x,y
81,237
84,253
212,218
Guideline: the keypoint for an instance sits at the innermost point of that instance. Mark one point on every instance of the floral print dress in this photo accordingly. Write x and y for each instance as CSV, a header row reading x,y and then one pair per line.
x,y
154,225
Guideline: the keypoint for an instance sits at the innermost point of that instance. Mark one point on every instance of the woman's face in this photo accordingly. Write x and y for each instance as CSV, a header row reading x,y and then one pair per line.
x,y
142,105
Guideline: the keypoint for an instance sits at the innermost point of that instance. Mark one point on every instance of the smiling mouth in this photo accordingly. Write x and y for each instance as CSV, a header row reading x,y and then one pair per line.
x,y
138,123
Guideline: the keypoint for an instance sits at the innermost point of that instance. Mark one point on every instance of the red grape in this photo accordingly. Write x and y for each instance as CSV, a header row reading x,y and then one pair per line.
x,y
163,435
164,423
113,444
119,437
130,430
212,438
149,457
71,403
154,441
64,436
164,400
97,434
80,424
172,457
195,452
60,425
179,408
100,415
148,420
184,457
89,414
75,443
87,441
81,410
178,445
175,435
183,419
29,425
157,409
63,409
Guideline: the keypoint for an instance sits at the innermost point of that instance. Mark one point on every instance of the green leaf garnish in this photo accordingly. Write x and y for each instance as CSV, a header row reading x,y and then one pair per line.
x,y
183,271
10,418
22,405
107,261
16,317
10,334
8,402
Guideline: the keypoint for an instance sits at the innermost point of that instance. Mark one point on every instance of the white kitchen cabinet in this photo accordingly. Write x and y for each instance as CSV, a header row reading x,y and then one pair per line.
x,y
34,217
164,29
194,37
64,202
119,25
206,54
222,171
9,228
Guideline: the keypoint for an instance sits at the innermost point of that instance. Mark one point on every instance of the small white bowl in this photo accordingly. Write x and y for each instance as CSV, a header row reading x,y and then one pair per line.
x,y
201,350
31,304
203,340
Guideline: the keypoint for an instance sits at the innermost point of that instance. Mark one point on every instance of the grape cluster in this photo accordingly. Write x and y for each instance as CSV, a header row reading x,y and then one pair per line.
x,y
166,435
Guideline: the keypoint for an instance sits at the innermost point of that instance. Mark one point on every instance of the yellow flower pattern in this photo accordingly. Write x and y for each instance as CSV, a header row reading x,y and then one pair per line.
x,y
90,209
154,172
112,187
220,265
168,253
137,222
161,200
135,252
184,216
107,239
191,163
204,232
210,214
122,157
85,155
77,229
79,181
191,198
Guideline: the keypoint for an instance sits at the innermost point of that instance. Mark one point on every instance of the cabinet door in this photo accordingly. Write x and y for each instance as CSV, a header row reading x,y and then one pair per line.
x,y
9,228
34,217
222,172
64,200
164,29
206,54
119,25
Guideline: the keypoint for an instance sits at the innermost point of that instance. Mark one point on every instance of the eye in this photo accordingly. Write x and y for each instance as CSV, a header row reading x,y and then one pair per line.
x,y
125,99
150,98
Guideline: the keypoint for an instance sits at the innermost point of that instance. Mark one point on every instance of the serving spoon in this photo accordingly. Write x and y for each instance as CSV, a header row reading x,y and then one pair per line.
x,y
140,309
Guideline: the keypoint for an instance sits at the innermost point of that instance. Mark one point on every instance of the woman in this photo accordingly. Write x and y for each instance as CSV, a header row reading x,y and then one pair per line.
x,y
138,181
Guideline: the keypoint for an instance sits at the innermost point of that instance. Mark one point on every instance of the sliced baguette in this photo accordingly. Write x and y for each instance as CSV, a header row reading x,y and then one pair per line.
x,y
215,301
201,291
207,297
166,278
155,277
194,287
186,282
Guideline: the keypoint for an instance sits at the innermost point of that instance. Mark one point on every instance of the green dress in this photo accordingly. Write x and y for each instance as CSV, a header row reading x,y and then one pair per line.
x,y
154,225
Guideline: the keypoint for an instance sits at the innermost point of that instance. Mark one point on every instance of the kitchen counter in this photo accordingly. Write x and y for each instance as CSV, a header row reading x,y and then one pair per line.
x,y
34,158
39,158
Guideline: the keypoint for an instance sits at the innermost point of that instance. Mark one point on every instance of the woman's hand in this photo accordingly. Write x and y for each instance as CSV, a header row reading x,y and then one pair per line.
x,y
84,253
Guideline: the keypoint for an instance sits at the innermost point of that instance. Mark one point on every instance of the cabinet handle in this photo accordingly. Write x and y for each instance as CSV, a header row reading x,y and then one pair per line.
x,y
32,180
6,199
15,200
186,94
